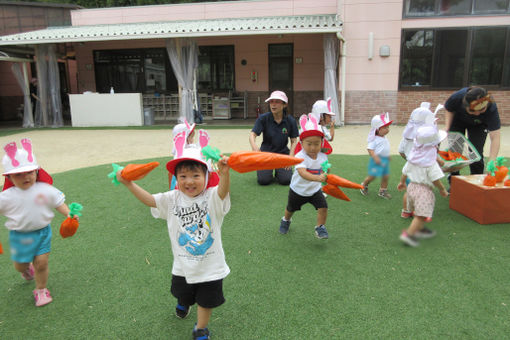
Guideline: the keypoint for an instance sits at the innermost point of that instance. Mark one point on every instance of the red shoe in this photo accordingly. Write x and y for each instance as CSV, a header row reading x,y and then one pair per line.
x,y
406,214
42,297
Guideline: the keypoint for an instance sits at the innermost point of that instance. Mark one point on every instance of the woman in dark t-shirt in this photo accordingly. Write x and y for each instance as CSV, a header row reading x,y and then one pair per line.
x,y
473,110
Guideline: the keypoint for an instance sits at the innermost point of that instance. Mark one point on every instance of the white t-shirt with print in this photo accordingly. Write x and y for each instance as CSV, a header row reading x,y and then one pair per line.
x,y
380,145
421,175
30,209
302,186
194,227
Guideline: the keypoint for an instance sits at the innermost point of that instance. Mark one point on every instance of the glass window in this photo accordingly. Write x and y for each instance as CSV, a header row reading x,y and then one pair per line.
x,y
420,7
155,72
450,58
487,56
131,71
216,68
416,66
491,6
455,7
453,58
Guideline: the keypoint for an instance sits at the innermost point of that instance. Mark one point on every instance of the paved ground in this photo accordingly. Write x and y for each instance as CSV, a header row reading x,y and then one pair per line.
x,y
66,149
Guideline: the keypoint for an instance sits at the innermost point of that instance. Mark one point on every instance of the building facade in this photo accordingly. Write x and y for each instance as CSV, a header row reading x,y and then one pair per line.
x,y
393,54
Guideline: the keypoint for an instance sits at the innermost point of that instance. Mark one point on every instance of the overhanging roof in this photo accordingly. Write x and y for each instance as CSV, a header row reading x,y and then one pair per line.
x,y
327,23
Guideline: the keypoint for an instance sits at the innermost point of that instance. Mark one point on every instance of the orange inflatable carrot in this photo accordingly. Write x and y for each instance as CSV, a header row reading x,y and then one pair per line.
x,y
334,191
70,225
246,161
133,172
1,249
342,182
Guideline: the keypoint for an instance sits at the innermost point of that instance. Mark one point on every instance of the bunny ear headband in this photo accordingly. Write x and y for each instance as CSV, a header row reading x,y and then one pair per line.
x,y
188,153
309,127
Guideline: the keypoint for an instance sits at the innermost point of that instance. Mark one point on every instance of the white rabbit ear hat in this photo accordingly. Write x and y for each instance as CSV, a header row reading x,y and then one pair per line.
x,y
188,152
322,106
309,127
19,160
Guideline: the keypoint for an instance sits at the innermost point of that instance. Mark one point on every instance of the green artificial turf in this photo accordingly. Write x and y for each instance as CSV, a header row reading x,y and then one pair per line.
x,y
112,279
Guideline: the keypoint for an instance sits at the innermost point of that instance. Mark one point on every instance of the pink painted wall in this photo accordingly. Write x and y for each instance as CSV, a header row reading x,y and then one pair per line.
x,y
308,76
384,19
198,11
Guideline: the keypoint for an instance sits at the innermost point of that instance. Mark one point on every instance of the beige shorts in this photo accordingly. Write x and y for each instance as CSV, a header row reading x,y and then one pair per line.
x,y
420,199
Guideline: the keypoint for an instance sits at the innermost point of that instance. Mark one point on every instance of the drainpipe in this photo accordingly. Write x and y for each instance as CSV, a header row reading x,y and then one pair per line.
x,y
342,76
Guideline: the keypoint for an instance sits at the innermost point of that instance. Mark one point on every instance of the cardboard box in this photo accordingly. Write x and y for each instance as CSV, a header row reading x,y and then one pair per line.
x,y
485,205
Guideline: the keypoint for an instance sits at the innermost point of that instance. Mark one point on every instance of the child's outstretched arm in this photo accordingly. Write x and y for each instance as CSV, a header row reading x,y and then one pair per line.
x,y
224,173
64,210
140,193
402,184
438,184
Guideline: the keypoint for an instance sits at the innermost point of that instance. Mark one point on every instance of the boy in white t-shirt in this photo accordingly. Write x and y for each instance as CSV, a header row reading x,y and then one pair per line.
x,y
379,150
424,173
28,206
194,214
305,185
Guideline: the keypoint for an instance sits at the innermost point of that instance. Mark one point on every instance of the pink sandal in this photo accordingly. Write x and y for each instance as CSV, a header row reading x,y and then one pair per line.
x,y
42,297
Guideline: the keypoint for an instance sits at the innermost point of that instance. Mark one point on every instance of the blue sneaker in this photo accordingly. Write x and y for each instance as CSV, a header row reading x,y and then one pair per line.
x,y
201,334
284,226
181,311
321,232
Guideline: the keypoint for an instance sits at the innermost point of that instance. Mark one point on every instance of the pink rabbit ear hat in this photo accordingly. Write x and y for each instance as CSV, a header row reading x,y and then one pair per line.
x,y
309,127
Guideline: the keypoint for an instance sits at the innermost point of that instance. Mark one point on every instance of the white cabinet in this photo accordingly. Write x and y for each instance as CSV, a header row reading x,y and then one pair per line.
x,y
221,108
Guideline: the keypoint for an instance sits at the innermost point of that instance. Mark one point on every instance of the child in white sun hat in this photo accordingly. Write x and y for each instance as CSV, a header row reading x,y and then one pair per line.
x,y
419,117
321,109
379,150
194,216
28,206
424,174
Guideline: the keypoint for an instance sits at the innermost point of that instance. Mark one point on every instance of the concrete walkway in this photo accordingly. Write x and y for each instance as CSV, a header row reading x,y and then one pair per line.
x,y
67,149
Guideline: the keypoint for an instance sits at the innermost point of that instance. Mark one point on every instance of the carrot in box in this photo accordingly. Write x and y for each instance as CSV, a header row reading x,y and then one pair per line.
x,y
246,161
70,225
501,170
490,178
131,172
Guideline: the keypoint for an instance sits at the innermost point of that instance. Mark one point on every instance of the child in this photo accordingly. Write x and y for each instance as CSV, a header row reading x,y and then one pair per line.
x,y
28,207
419,117
424,172
305,185
379,151
321,109
194,215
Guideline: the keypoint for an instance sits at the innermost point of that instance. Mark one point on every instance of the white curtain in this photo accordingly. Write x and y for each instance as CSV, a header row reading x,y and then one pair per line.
x,y
22,78
49,107
183,54
331,55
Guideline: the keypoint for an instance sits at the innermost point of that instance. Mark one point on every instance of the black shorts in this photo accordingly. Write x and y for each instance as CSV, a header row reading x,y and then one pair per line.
x,y
296,201
205,294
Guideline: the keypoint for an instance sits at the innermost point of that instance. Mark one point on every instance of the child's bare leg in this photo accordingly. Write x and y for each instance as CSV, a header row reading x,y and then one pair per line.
x,y
288,215
21,267
417,224
322,215
41,270
203,316
404,202
367,180
384,182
